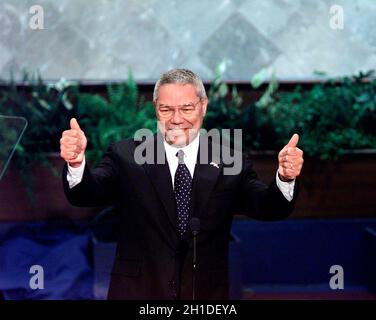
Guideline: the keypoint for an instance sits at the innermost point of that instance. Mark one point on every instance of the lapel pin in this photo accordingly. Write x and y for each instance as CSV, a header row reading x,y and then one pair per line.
x,y
214,164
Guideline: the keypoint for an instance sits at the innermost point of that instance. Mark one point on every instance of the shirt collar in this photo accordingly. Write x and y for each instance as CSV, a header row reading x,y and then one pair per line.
x,y
190,150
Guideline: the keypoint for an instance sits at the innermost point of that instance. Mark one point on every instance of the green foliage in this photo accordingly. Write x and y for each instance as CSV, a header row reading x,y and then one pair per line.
x,y
112,118
48,109
332,117
226,110
45,107
224,105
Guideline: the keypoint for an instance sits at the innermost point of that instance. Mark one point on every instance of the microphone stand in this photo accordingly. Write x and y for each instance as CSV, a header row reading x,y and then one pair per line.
x,y
194,267
195,227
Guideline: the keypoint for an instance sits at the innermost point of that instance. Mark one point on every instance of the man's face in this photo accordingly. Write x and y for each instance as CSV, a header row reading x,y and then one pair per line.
x,y
180,113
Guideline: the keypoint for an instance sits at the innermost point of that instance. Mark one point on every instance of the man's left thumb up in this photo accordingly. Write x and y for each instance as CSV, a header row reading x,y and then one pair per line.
x,y
293,141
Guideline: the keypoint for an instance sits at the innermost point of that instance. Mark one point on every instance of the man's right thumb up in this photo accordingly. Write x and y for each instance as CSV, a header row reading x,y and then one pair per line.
x,y
74,124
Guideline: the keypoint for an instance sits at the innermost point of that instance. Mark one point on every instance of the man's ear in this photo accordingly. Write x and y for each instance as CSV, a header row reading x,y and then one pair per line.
x,y
204,106
155,109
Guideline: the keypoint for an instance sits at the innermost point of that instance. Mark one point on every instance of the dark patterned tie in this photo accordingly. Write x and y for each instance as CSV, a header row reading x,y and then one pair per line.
x,y
182,191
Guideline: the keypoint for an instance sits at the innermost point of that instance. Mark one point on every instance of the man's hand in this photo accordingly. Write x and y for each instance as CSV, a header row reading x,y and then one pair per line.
x,y
290,160
73,144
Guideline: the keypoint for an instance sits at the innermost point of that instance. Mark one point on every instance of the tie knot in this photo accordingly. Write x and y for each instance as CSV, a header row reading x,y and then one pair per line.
x,y
180,155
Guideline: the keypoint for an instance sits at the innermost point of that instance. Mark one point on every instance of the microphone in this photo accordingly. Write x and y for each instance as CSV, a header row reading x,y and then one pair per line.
x,y
194,224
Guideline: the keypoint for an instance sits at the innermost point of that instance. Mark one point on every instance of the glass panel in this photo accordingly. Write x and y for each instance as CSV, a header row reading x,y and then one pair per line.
x,y
11,131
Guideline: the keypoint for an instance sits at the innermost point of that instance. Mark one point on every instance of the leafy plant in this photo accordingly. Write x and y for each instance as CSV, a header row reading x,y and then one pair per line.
x,y
46,108
115,117
224,108
332,117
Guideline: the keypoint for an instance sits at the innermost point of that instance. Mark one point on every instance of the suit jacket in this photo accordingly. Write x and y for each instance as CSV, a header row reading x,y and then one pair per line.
x,y
152,262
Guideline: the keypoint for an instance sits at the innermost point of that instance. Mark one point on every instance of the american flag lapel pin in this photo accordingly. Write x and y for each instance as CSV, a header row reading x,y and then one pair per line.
x,y
214,164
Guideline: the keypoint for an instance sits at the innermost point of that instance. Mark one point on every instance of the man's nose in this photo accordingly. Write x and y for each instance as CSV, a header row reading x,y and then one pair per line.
x,y
176,117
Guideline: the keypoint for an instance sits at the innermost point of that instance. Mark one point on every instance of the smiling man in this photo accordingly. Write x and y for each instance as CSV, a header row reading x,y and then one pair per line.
x,y
180,107
156,201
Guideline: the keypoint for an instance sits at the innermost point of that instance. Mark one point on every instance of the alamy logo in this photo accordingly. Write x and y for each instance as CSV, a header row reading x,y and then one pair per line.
x,y
36,21
337,280
219,149
37,280
337,17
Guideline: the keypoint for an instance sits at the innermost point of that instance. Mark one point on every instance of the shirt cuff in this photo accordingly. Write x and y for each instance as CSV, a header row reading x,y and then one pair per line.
x,y
287,188
74,175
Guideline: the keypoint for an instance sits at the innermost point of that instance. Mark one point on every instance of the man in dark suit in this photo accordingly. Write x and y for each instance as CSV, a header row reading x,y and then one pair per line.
x,y
156,200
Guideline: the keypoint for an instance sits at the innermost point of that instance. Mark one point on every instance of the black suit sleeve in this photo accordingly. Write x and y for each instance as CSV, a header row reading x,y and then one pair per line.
x,y
98,187
263,202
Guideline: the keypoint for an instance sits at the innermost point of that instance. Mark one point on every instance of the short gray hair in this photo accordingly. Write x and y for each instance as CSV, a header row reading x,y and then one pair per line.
x,y
180,76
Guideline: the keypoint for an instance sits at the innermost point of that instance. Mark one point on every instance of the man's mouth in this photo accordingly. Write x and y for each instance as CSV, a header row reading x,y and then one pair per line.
x,y
177,130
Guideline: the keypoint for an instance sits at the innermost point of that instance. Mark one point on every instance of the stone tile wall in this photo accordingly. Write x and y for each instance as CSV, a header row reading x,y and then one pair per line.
x,y
105,39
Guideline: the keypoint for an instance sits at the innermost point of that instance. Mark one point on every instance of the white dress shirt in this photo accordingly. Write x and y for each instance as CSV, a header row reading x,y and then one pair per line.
x,y
74,175
190,157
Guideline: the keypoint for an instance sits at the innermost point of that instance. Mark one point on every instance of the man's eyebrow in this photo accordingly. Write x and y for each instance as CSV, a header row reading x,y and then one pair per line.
x,y
168,105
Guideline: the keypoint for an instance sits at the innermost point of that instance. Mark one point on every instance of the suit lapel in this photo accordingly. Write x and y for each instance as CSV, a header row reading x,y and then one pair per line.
x,y
204,179
160,177
206,174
